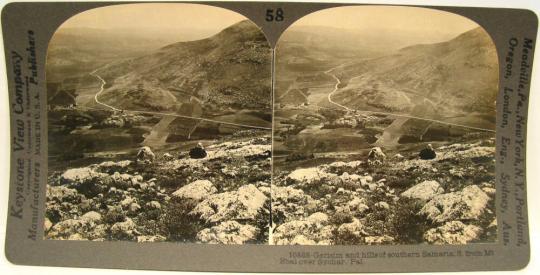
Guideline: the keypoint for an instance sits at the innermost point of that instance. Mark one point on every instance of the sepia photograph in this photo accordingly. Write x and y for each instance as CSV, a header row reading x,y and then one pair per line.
x,y
159,126
384,129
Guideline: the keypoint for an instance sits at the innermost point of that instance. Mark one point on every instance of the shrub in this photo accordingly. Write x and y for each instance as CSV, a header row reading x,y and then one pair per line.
x,y
114,215
177,223
406,225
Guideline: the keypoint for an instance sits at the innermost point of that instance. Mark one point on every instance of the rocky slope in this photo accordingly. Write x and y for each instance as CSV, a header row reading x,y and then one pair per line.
x,y
437,77
390,199
228,70
221,198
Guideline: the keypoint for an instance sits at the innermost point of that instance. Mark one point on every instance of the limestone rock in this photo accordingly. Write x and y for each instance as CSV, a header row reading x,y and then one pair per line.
x,y
77,176
168,156
62,194
124,230
376,156
62,230
92,217
354,228
243,204
153,205
382,205
197,190
313,230
308,176
47,224
453,232
290,203
229,232
466,204
424,191
378,240
145,155
156,238
358,205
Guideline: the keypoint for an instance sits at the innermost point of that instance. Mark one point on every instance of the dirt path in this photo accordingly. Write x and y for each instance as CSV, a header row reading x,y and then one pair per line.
x,y
103,83
338,81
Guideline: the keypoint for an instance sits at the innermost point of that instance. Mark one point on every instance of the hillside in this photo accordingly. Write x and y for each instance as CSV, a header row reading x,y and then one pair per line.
x,y
230,70
447,79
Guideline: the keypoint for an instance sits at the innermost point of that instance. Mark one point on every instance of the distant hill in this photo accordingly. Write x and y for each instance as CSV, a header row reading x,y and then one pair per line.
x,y
74,52
230,70
456,77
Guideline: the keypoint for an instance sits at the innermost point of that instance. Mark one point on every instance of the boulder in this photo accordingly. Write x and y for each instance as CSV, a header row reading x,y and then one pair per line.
x,y
97,233
453,232
145,155
125,203
313,230
113,166
244,204
168,156
77,176
340,167
62,194
145,239
290,203
308,176
354,228
398,157
376,156
197,190
153,205
228,232
64,229
357,205
134,208
382,205
378,240
47,225
125,230
92,217
467,204
424,191
125,181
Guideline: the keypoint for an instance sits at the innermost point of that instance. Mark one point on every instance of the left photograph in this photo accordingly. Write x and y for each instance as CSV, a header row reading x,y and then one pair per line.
x,y
159,126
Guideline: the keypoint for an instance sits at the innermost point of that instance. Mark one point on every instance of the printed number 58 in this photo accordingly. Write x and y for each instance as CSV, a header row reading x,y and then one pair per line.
x,y
274,15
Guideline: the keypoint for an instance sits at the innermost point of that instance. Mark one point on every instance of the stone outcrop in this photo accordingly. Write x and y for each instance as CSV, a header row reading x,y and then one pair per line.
x,y
424,191
197,190
454,232
229,232
243,204
145,155
467,204
313,230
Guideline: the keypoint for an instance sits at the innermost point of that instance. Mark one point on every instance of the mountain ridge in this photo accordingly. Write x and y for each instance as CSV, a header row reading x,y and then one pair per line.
x,y
229,70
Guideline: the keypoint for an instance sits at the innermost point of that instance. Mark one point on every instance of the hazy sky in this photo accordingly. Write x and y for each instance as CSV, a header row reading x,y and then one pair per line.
x,y
155,16
433,24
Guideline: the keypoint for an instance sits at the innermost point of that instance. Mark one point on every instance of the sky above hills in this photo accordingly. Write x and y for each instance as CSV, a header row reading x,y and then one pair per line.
x,y
421,24
206,20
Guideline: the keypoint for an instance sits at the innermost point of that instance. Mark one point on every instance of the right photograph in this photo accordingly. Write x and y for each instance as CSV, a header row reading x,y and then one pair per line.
x,y
384,129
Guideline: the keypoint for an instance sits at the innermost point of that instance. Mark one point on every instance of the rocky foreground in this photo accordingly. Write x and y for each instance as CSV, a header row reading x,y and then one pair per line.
x,y
399,199
222,198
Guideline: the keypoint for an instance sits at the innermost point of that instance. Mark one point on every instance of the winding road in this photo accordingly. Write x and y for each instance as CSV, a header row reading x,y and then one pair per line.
x,y
336,88
102,88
